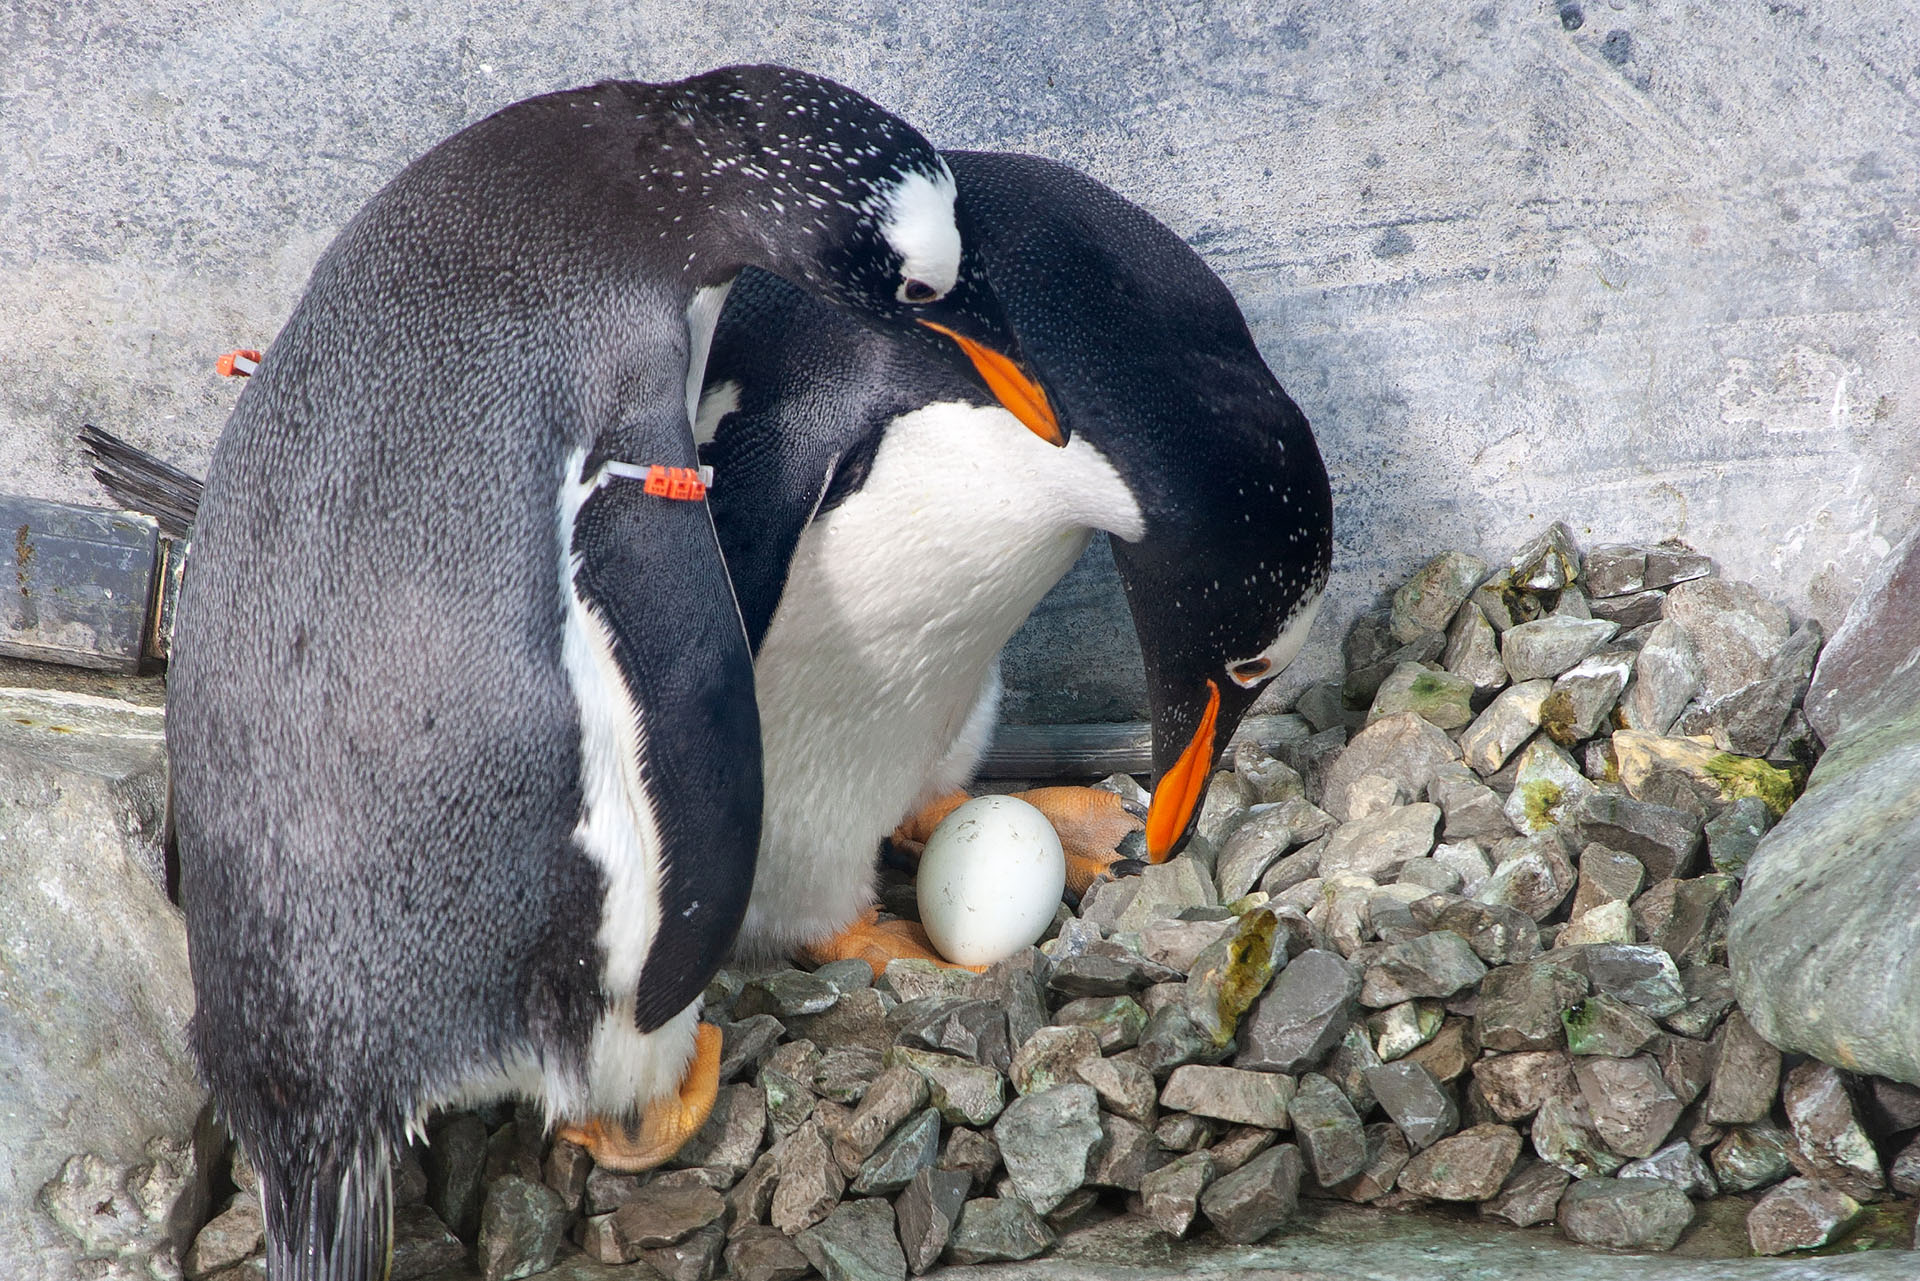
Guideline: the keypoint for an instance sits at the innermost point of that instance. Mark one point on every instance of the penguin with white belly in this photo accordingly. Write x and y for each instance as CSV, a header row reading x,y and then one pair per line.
x,y
888,526
466,766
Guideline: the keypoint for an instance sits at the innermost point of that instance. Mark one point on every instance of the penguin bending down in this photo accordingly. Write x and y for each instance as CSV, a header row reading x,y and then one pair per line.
x,y
888,527
468,804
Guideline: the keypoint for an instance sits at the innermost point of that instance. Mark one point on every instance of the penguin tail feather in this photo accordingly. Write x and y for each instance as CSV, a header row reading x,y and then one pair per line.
x,y
329,1219
141,482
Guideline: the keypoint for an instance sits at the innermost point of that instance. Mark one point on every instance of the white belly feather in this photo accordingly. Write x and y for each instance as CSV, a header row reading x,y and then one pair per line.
x,y
877,679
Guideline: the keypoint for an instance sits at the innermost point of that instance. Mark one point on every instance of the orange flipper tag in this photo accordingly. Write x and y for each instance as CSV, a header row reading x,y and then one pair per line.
x,y
239,363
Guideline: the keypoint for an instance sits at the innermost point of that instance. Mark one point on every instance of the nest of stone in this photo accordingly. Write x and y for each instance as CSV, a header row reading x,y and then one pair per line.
x,y
1454,931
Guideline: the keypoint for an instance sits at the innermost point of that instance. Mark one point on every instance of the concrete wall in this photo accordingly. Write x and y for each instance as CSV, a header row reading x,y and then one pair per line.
x,y
1648,268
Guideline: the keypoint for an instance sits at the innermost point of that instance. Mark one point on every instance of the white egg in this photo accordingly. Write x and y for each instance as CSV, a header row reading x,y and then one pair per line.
x,y
990,880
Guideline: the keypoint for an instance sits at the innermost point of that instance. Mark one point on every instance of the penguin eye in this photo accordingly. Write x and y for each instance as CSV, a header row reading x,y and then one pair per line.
x,y
1250,671
916,291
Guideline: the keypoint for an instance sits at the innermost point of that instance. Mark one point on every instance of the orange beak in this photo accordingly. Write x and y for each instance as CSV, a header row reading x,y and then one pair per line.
x,y
1182,786
1021,395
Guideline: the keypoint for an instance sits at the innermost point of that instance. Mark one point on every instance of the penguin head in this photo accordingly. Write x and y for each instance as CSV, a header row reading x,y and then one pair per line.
x,y
1223,587
864,216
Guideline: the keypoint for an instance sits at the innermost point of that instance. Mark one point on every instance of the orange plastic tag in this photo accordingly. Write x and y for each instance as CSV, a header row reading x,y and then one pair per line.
x,y
682,484
237,364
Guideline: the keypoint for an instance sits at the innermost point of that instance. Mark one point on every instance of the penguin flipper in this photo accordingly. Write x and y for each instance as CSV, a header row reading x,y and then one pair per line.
x,y
648,570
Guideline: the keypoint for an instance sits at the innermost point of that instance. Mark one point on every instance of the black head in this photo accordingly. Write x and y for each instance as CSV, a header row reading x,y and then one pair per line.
x,y
1148,357
848,200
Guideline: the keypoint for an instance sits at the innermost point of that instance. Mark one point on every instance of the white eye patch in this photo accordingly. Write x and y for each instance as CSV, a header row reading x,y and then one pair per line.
x,y
1249,673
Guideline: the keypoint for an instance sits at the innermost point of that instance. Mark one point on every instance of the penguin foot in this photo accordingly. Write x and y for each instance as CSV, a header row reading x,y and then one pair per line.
x,y
665,1125
911,836
1094,828
877,942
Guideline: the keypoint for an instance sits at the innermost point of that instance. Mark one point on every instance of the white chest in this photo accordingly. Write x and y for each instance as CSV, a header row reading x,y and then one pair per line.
x,y
884,642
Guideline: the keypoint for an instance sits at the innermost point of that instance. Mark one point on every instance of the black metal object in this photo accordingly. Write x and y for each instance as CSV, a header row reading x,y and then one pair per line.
x,y
77,584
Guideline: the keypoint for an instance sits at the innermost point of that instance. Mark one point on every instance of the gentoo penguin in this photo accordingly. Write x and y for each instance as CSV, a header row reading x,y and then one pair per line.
x,y
887,528
466,763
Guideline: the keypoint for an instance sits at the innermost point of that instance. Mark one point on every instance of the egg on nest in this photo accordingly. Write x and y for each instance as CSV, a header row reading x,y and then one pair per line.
x,y
990,880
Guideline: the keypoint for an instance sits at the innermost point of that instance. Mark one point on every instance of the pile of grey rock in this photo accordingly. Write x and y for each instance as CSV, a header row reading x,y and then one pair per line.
x,y
1452,931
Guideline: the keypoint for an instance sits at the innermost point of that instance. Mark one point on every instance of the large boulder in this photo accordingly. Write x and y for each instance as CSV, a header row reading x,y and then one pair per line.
x,y
1824,944
105,1140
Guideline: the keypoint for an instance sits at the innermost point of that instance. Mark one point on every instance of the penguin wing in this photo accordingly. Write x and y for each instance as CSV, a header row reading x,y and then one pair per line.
x,y
648,571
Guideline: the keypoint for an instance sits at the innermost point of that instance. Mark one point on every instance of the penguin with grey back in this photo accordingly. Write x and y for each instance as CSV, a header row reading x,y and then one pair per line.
x,y
466,764
888,527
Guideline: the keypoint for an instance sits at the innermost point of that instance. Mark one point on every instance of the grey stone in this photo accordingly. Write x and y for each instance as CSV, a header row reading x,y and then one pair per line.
x,y
964,1092
697,1258
1115,1021
421,1244
1473,650
1688,918
1047,1142
1867,667
1520,1005
1564,1136
1549,646
1328,1130
1468,1166
1404,747
1170,1195
1387,1154
996,1230
853,974
1470,810
1434,593
1049,1056
1687,1065
1254,847
1269,780
1373,794
1752,1156
568,1165
1666,676
1498,935
1547,785
1748,721
976,1029
456,1165
1828,1142
1171,1040
1531,1194
785,993
1347,1063
1734,834
855,1243
1665,840
1609,922
1401,1029
1615,569
1239,1145
1644,977
1379,846
1016,986
809,1180
1800,1214
1418,1103
1632,1106
1431,965
1307,1008
1633,611
786,1102
1606,875
1223,808
1441,698
1625,1214
912,978
1508,721
1532,875
1515,1085
1581,697
608,1190
1606,1026
1431,874
1257,1198
1159,893
913,1147
1230,1094
856,1018
523,1226
1177,944
229,1237
728,1141
894,1096
1903,1176
1734,629
926,1212
1294,870
759,1253
1680,1164
751,1199
1126,1089
1673,562
1126,1154
1108,971
745,1045
1184,1132
973,1153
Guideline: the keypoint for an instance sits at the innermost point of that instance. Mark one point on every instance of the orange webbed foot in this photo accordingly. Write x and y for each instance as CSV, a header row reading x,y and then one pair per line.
x,y
1092,824
877,942
665,1124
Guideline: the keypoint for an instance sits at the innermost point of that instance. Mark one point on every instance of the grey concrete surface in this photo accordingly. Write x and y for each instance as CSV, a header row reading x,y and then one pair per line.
x,y
1646,267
